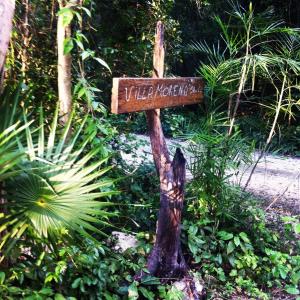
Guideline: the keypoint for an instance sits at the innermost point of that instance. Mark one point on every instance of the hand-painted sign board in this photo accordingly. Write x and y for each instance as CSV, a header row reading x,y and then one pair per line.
x,y
139,94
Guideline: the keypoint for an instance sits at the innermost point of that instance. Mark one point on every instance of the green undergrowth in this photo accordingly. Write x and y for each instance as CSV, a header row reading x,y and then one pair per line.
x,y
245,258
227,241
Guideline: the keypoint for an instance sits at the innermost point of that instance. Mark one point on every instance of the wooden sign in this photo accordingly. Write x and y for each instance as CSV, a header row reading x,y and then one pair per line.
x,y
139,94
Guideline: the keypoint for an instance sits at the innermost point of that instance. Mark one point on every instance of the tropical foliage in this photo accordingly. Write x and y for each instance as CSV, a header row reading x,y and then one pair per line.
x,y
56,187
65,187
258,64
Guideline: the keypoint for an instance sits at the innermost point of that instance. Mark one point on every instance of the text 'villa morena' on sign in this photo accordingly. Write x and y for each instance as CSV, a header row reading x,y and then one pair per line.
x,y
139,94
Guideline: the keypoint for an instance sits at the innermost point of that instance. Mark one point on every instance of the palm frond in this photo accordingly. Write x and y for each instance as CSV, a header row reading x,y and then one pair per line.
x,y
59,186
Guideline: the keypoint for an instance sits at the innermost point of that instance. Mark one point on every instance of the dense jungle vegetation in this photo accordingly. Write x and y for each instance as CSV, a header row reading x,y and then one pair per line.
x,y
68,189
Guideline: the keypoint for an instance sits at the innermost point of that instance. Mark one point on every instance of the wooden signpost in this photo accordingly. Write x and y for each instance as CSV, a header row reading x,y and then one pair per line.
x,y
139,94
149,94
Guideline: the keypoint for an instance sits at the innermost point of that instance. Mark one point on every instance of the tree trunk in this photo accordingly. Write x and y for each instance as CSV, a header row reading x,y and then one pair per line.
x,y
64,68
7,8
25,37
166,259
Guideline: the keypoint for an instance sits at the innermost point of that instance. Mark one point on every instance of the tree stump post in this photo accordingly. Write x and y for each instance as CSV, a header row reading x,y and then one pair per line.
x,y
166,259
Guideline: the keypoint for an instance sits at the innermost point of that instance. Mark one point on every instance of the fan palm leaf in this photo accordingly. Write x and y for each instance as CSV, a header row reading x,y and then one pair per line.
x,y
59,186
10,130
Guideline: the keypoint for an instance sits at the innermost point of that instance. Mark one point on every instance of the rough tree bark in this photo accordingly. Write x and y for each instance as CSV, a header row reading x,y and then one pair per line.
x,y
7,8
64,67
166,259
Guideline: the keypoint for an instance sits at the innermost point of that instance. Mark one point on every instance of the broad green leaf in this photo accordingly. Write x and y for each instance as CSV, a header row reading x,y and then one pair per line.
x,y
237,241
283,272
87,53
133,293
295,278
147,294
67,15
76,283
59,297
68,45
292,290
232,260
193,247
244,237
230,247
225,236
15,290
46,291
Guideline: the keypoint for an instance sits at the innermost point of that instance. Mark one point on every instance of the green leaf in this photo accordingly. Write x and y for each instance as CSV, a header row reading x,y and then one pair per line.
x,y
87,53
230,247
292,290
76,283
78,15
162,291
79,44
295,277
244,237
225,236
288,219
150,280
40,259
46,291
67,15
283,272
59,297
133,291
102,62
193,247
2,277
87,11
219,258
232,260
68,45
236,240
146,293
14,290
297,228
123,290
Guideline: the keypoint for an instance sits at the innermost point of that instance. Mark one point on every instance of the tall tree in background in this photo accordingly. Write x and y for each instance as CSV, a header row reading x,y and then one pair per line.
x,y
64,65
25,37
7,8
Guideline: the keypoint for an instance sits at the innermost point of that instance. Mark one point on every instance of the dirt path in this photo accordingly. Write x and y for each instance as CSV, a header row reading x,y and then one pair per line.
x,y
275,179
